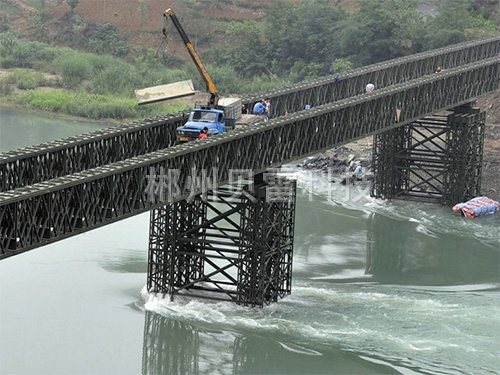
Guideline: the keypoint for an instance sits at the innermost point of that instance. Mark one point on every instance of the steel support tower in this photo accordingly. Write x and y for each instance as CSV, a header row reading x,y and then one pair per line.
x,y
435,159
234,243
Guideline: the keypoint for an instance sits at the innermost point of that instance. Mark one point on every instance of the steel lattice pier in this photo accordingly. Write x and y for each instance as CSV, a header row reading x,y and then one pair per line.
x,y
435,159
232,244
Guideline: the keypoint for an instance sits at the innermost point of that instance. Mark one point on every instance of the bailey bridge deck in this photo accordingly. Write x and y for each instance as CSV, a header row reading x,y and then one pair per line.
x,y
54,159
44,212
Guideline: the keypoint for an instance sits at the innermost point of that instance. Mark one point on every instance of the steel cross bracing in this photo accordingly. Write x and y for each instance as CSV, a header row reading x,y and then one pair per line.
x,y
58,158
75,154
236,243
435,159
465,146
52,210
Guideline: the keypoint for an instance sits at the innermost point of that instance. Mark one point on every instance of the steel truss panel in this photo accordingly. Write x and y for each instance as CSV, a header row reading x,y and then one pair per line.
x,y
58,158
230,245
337,87
106,194
436,159
75,154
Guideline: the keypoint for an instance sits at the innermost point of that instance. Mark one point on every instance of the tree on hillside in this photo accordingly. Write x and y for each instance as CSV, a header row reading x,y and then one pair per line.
x,y
244,41
456,22
4,23
340,66
302,38
487,8
381,30
142,11
72,3
8,43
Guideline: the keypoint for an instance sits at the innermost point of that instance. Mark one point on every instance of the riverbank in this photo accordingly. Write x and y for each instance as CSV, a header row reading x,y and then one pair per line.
x,y
85,107
89,106
18,109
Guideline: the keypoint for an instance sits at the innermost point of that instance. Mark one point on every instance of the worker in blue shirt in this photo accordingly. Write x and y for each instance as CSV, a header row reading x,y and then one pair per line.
x,y
259,108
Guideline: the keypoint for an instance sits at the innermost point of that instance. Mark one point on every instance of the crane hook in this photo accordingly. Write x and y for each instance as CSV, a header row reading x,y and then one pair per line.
x,y
165,30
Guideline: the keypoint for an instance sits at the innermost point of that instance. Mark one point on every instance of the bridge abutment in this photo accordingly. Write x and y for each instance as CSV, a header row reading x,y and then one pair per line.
x,y
435,159
232,244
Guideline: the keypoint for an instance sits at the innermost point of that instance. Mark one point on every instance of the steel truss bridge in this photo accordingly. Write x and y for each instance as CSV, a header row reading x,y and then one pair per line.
x,y
66,187
58,158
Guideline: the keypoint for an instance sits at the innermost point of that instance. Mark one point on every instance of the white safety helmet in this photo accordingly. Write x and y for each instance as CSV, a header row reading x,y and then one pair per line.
x,y
370,87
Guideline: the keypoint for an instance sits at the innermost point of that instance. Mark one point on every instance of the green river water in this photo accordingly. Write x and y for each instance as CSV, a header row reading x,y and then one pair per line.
x,y
378,288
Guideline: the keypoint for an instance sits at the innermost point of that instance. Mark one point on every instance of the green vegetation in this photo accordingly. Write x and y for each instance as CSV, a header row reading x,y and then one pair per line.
x,y
36,3
291,42
90,105
72,68
105,84
22,79
25,54
4,23
27,80
72,3
313,38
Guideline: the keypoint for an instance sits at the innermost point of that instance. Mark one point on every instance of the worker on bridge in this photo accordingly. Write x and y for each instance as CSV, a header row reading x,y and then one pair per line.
x,y
204,133
260,108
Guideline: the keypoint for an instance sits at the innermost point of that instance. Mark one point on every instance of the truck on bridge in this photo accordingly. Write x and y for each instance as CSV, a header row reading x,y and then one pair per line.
x,y
220,114
225,116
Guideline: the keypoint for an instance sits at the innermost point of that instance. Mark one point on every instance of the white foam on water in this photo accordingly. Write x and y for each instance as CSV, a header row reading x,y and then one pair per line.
x,y
278,318
346,274
400,369
366,321
299,349
426,230
457,288
333,295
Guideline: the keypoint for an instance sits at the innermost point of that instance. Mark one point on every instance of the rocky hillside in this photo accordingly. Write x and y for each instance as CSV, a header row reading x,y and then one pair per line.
x,y
139,22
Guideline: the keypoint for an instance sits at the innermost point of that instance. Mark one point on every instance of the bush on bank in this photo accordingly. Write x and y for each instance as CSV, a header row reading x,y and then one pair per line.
x,y
92,106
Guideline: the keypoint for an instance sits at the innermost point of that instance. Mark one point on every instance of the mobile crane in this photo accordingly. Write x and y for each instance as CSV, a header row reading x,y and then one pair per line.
x,y
220,114
214,93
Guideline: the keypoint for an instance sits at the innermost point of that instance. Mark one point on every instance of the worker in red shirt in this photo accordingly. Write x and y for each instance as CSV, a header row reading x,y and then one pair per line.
x,y
204,133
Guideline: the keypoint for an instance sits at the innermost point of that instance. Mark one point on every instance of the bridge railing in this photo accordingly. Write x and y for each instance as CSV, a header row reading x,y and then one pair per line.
x,y
53,159
341,86
58,158
45,212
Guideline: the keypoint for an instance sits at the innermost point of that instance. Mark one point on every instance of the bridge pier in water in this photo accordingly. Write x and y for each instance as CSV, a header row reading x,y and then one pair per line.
x,y
435,159
234,243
